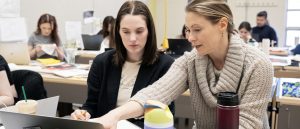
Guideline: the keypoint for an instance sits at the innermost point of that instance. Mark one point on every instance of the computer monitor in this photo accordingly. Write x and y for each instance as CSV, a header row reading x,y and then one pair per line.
x,y
15,52
178,46
91,42
12,120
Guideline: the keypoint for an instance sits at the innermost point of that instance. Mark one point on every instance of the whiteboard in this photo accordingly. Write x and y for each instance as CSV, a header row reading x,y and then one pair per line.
x,y
12,29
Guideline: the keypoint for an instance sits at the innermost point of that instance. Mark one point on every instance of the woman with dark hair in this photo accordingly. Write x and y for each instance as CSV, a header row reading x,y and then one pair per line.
x,y
220,62
46,33
106,32
182,35
245,32
117,75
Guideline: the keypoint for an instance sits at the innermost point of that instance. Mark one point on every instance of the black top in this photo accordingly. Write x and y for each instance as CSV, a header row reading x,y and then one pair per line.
x,y
4,66
104,81
266,31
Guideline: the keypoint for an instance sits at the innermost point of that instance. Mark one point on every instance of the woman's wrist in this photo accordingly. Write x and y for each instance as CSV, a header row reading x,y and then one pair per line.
x,y
116,114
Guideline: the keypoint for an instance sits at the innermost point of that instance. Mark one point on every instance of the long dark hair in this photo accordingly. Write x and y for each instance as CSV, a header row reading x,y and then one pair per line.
x,y
105,25
150,51
245,25
47,18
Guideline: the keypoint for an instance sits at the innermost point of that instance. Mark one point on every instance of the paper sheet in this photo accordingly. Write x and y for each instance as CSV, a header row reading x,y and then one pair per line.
x,y
9,8
88,16
124,124
48,48
71,73
73,32
13,29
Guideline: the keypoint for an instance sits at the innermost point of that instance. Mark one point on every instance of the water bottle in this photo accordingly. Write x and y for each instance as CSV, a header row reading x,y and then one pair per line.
x,y
228,111
157,116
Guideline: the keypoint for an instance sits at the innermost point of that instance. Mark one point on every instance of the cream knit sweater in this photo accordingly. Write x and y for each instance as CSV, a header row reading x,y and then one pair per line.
x,y
195,72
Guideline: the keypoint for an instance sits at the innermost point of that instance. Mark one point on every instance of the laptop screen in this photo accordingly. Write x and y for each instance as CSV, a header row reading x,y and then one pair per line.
x,y
91,42
177,47
15,52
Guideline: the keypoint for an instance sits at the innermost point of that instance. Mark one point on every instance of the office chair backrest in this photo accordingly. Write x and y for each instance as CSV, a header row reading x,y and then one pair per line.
x,y
32,82
91,42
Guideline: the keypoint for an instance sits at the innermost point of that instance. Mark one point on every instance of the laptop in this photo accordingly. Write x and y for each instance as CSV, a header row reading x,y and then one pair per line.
x,y
91,42
46,107
13,120
15,52
177,47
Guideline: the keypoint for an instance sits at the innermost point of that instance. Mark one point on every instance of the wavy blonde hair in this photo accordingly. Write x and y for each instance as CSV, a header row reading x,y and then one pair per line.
x,y
212,10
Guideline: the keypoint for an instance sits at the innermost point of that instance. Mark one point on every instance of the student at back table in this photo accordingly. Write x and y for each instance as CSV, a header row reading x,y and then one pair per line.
x,y
46,33
263,29
106,32
116,75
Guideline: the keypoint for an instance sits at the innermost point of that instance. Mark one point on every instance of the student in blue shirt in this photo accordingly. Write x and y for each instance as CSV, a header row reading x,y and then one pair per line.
x,y
263,29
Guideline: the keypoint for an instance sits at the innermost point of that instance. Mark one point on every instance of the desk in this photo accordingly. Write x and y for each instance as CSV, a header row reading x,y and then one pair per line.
x,y
83,57
71,90
74,90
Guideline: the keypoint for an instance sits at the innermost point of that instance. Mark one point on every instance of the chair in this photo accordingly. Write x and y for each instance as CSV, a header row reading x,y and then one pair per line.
x,y
32,82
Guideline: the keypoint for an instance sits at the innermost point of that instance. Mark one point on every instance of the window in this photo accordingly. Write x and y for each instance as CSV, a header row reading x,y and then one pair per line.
x,y
293,22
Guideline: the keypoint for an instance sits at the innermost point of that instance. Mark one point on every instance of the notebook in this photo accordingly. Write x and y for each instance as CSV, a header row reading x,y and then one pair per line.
x,y
15,52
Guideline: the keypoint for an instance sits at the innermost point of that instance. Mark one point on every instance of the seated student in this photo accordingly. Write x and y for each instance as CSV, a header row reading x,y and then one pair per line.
x,y
263,29
107,26
46,33
116,75
7,88
296,50
245,32
182,35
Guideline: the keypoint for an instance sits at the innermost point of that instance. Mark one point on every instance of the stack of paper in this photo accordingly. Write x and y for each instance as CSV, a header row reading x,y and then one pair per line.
x,y
71,73
48,61
124,124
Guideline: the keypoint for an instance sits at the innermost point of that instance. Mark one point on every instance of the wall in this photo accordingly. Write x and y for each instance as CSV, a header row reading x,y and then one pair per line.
x,y
276,14
32,9
66,10
175,18
275,8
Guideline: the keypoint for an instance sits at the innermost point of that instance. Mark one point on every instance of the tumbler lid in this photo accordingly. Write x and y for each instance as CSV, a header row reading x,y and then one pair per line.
x,y
228,99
